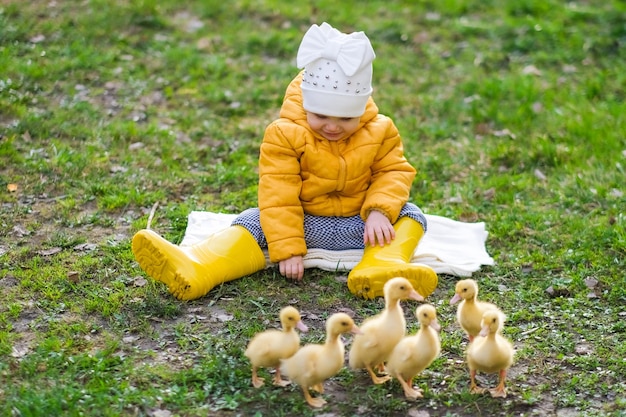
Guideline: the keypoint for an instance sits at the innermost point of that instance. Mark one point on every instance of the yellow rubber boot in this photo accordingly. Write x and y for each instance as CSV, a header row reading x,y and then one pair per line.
x,y
190,272
380,264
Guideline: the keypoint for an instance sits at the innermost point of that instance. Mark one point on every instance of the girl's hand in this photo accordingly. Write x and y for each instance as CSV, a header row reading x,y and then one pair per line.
x,y
379,229
292,268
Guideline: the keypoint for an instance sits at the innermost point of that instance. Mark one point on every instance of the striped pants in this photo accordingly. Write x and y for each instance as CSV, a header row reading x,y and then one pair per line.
x,y
325,232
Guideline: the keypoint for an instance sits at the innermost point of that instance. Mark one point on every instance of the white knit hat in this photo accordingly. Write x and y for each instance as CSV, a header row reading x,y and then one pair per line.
x,y
337,79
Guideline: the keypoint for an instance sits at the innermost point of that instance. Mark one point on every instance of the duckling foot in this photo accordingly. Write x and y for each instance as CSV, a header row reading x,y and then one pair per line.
x,y
497,392
476,389
318,388
410,392
279,382
500,390
257,382
278,379
413,394
375,378
381,368
313,402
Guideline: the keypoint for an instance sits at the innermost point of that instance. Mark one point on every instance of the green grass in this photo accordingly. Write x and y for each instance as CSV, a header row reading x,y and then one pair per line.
x,y
513,113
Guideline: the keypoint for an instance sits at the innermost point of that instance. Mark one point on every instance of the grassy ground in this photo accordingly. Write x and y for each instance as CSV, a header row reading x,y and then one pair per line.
x,y
512,111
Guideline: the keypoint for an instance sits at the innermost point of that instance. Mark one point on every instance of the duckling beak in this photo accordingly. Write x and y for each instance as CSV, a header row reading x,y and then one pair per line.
x,y
302,327
355,330
484,331
455,299
414,295
435,325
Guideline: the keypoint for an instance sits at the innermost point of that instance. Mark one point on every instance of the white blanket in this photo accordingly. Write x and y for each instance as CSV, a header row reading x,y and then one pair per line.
x,y
449,247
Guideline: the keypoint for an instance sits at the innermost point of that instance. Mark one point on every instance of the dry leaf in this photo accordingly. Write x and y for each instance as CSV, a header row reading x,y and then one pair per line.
x,y
489,193
531,70
504,132
73,276
49,252
135,145
130,339
19,350
223,317
569,69
19,231
591,282
583,349
347,310
118,168
140,282
414,412
86,247
343,279
540,175
468,217
205,44
482,129
11,188
37,38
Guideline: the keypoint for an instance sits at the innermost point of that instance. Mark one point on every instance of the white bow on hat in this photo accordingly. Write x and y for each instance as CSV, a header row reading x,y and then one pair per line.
x,y
351,52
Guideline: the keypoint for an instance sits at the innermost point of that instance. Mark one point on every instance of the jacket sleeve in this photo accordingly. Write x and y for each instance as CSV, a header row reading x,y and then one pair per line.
x,y
282,216
392,176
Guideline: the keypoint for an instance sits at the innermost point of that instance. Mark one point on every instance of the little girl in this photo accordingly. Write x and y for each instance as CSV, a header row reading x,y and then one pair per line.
x,y
332,175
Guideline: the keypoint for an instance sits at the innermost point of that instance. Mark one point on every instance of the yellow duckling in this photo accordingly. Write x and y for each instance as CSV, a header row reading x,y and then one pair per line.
x,y
383,331
313,364
414,353
490,353
267,348
470,311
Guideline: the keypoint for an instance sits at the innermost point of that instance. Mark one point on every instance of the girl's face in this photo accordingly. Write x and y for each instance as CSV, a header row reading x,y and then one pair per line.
x,y
333,128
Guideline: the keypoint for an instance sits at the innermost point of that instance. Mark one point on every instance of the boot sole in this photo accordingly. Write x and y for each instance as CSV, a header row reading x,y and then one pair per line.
x,y
156,265
368,283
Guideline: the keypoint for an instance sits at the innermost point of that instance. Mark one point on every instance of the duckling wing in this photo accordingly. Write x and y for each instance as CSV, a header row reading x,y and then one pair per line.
x,y
258,347
403,351
411,357
301,367
362,348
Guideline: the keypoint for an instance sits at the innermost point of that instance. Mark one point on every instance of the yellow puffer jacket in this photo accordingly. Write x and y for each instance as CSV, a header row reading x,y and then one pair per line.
x,y
301,172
